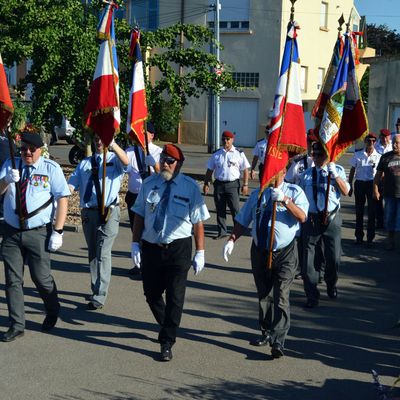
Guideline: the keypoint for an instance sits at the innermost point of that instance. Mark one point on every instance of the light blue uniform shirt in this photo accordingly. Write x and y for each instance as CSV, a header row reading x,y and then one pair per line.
x,y
286,225
46,179
114,173
306,183
185,208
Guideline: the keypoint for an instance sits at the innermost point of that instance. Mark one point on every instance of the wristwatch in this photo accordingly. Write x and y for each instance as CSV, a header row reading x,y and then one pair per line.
x,y
286,202
59,231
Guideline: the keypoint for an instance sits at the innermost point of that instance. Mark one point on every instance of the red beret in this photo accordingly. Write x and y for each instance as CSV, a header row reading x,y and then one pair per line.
x,y
312,138
371,135
228,134
385,132
173,151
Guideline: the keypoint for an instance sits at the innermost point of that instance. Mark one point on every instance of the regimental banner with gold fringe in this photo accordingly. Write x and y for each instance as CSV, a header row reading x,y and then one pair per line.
x,y
6,105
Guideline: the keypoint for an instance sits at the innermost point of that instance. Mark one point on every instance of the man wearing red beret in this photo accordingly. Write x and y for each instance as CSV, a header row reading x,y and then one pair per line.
x,y
169,205
227,164
363,168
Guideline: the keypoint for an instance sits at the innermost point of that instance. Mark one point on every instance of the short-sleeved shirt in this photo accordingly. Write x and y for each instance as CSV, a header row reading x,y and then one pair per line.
x,y
81,177
365,165
227,165
260,149
185,208
133,170
306,183
46,179
286,225
389,164
381,149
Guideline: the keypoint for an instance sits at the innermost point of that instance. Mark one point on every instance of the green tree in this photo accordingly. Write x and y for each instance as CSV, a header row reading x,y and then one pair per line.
x,y
59,36
383,39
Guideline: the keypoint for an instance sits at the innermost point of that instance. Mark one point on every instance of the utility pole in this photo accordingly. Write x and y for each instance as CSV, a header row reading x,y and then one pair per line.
x,y
214,100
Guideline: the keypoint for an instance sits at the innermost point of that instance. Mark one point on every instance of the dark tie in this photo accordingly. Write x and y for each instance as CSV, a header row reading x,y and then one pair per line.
x,y
321,191
26,172
263,226
89,187
162,208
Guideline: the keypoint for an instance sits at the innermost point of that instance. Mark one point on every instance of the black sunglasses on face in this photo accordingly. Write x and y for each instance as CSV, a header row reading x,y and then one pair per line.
x,y
32,149
168,160
224,139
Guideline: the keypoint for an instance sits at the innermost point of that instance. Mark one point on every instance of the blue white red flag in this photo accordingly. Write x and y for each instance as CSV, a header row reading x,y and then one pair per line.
x,y
344,119
288,131
102,112
137,108
6,105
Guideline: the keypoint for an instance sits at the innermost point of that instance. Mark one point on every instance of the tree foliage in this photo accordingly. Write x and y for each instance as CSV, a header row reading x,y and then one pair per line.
x,y
384,40
59,36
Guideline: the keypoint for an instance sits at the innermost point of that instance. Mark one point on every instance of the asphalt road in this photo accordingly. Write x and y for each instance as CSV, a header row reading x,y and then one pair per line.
x,y
112,354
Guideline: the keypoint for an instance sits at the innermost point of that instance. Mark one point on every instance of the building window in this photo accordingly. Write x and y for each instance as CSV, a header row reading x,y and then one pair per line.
x,y
320,78
145,13
11,75
324,15
234,15
303,78
247,79
305,106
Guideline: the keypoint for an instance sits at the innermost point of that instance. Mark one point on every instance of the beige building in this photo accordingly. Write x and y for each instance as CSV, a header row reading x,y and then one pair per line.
x,y
384,92
253,34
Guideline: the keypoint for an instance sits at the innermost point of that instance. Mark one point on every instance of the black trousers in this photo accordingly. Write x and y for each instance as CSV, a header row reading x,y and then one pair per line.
x,y
30,246
226,193
363,192
314,232
130,199
165,269
273,289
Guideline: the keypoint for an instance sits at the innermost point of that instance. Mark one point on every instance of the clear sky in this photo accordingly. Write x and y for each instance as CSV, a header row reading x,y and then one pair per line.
x,y
380,12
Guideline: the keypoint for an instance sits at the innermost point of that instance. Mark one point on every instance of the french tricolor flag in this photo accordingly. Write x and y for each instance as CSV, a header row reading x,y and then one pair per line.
x,y
6,106
102,113
137,109
288,131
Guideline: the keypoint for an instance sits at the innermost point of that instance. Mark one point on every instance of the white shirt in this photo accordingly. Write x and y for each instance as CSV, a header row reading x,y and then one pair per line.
x,y
365,165
227,165
135,180
259,150
381,149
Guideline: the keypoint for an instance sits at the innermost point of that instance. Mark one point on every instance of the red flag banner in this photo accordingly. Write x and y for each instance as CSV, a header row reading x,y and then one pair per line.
x,y
102,113
6,105
288,132
137,109
344,119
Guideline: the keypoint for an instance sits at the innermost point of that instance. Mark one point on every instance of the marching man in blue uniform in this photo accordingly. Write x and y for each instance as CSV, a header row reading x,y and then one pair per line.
x,y
100,231
169,206
227,164
273,286
314,182
33,228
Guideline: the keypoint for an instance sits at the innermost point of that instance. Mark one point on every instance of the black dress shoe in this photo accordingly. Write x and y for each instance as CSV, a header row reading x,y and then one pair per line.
x,y
166,352
277,350
331,291
135,271
12,334
93,306
311,303
49,323
263,340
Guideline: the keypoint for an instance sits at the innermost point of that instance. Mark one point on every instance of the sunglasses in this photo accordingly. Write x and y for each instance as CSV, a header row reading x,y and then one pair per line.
x,y
168,160
32,149
371,140
225,139
318,154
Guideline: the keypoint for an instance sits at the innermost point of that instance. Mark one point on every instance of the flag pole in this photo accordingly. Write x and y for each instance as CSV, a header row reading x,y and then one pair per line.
x,y
328,185
146,141
273,216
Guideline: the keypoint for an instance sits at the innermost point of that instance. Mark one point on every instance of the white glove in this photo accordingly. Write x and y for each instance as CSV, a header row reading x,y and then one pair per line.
x,y
277,194
56,241
332,170
12,176
110,146
198,261
150,161
228,248
135,254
